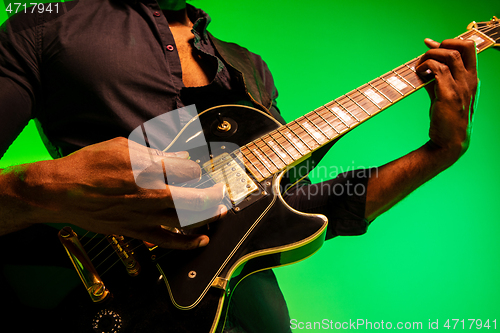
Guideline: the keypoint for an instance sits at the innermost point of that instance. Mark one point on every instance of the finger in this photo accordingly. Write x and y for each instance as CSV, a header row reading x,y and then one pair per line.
x,y
190,219
178,170
171,170
431,43
194,199
450,60
170,240
137,150
467,49
445,83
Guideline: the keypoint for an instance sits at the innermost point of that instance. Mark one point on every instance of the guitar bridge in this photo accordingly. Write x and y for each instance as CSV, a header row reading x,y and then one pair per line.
x,y
125,253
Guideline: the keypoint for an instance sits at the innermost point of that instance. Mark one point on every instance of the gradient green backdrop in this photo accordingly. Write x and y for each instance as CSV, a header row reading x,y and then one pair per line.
x,y
435,256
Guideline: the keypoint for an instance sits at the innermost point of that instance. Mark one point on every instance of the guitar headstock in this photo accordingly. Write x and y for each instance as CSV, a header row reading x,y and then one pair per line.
x,y
489,28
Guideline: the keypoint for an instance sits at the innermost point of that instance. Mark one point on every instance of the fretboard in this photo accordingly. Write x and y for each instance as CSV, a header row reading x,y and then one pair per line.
x,y
295,141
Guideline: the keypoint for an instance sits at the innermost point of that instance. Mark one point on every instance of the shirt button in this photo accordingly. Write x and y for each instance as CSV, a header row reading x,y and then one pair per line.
x,y
170,47
157,14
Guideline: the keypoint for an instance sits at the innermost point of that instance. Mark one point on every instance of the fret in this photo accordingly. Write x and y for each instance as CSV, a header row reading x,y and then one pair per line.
x,y
336,115
388,90
281,144
352,109
330,130
487,36
411,68
319,129
333,120
343,107
365,102
381,93
278,151
362,108
326,121
312,135
260,158
294,142
479,38
412,76
369,98
404,79
344,117
253,166
301,135
292,145
270,154
393,86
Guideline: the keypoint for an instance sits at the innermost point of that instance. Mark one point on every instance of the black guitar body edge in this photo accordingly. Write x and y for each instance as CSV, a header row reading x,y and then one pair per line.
x,y
163,298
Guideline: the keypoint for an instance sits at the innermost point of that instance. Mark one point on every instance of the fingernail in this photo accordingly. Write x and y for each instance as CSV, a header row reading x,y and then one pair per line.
x,y
182,154
426,72
222,210
203,242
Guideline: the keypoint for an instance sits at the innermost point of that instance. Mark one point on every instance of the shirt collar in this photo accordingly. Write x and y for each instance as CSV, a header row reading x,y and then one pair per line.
x,y
200,20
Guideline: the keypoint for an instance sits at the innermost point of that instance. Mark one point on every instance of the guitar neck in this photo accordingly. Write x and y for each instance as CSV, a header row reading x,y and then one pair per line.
x,y
290,144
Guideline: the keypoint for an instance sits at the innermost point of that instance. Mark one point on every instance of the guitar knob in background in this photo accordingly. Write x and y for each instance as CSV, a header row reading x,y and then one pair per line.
x,y
107,321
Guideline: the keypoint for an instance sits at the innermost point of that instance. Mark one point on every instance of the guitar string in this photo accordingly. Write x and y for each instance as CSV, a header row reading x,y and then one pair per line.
x,y
110,255
488,29
95,245
119,259
98,254
91,239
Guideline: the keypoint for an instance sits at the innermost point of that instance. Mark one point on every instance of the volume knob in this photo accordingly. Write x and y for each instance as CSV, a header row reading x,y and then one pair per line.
x,y
107,321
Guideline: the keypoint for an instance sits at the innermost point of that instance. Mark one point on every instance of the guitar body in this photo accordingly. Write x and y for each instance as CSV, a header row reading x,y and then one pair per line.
x,y
189,291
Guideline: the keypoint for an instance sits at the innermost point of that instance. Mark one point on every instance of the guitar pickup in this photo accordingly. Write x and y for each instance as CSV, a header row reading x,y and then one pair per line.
x,y
226,169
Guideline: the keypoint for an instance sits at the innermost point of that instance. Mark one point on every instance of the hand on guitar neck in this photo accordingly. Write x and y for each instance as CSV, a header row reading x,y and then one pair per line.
x,y
453,94
94,188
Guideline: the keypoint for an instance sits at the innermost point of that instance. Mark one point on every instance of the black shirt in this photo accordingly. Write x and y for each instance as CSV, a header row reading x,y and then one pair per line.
x,y
98,69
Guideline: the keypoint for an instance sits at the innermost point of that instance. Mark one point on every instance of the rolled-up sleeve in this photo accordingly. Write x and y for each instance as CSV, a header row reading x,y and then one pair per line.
x,y
342,200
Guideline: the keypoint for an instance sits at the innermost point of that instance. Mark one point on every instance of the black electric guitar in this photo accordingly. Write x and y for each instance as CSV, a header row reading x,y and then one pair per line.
x,y
132,288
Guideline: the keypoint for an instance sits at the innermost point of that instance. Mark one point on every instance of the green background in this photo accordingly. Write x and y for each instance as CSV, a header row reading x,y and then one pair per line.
x,y
436,254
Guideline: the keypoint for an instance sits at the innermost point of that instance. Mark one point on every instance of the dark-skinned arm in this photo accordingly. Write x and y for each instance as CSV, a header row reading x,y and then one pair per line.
x,y
453,97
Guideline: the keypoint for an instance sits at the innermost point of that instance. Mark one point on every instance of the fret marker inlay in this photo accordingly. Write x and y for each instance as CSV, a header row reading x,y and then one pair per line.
x,y
374,96
262,159
400,85
296,142
312,130
477,39
345,117
275,147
